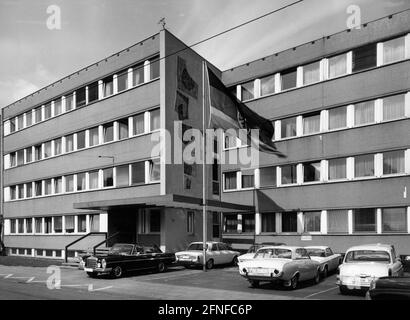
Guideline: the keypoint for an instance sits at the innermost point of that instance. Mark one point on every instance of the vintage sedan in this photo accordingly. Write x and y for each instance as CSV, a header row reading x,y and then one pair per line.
x,y
217,253
389,288
284,264
123,257
252,250
328,260
365,263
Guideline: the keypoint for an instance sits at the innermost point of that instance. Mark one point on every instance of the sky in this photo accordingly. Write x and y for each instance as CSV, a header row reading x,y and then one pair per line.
x,y
33,56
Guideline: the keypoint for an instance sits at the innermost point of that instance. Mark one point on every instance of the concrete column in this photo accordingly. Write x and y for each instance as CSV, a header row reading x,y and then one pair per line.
x,y
86,95
239,92
100,134
278,176
147,122
278,222
299,77
324,120
350,221
408,219
299,173
407,46
129,78
324,67
43,113
350,168
349,62
115,84
53,111
239,227
258,223
407,104
324,170
278,84
116,131
350,116
407,161
379,220
299,126
278,130
130,127
257,88
239,180
147,71
378,114
63,106
103,221
100,90
300,222
257,178
378,164
323,222
380,54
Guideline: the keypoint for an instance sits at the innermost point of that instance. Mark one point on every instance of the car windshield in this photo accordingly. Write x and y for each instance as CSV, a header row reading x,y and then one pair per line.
x,y
367,256
196,247
254,248
316,252
273,253
121,248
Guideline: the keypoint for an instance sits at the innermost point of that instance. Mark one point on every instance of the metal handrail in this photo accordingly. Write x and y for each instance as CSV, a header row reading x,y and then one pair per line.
x,y
104,241
79,239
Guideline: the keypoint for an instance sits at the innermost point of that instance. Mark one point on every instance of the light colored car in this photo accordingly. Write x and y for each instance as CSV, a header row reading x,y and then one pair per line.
x,y
285,264
329,261
252,250
217,253
365,263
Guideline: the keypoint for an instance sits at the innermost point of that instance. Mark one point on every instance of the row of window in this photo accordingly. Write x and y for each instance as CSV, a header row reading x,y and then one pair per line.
x,y
369,220
48,253
113,84
54,224
137,173
363,113
112,131
358,59
361,166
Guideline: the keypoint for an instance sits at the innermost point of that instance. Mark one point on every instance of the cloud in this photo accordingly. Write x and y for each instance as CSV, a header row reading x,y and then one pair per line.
x,y
15,89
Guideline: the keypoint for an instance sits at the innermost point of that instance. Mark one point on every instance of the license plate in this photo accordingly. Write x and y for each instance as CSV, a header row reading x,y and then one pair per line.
x,y
360,281
88,270
184,258
258,271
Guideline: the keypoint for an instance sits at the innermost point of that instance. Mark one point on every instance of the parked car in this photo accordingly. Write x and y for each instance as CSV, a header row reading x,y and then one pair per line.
x,y
328,260
365,263
389,288
217,253
123,257
285,264
252,250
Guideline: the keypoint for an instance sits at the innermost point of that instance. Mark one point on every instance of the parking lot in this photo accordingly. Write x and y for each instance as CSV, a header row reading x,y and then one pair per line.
x,y
222,283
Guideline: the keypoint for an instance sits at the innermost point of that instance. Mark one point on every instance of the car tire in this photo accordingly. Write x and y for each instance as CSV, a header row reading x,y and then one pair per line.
x,y
294,282
254,283
92,274
316,279
161,267
343,290
325,272
210,264
235,261
117,272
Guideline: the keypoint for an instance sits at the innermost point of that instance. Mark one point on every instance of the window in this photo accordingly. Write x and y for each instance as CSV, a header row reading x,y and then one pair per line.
x,y
248,223
94,222
248,179
337,221
288,79
47,224
58,143
288,127
69,224
393,107
13,192
337,169
138,124
123,128
311,73
230,181
69,143
29,118
58,185
57,107
20,157
37,114
39,252
267,177
29,225
81,181
155,119
393,162
364,220
154,170
81,140
12,125
190,222
93,137
47,187
268,222
337,118
108,132
267,85
337,66
289,222
29,190
58,224
81,223
394,220
20,122
93,179
394,50
364,113
13,225
122,176
29,154
231,223
80,97
154,68
365,57
138,74
38,223
38,188
21,191
364,165
47,111
122,80
311,123
20,225
138,173
289,174
37,152
155,221
69,102
93,92
311,172
312,221
13,159
47,149
248,90
108,86
69,183
108,177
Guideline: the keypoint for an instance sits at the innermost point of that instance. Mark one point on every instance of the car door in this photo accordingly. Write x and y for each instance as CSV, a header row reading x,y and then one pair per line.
x,y
333,259
301,260
216,254
226,254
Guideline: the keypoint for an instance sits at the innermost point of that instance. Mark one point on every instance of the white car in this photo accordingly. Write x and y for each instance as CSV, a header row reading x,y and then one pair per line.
x,y
329,261
217,253
365,263
249,255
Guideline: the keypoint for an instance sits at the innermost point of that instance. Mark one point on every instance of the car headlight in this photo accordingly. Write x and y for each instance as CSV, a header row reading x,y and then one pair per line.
x,y
103,263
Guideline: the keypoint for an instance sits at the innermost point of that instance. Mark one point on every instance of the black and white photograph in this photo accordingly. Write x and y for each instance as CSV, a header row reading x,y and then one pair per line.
x,y
206,155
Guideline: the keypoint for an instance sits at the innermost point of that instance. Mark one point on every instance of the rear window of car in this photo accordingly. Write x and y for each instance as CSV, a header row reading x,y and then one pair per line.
x,y
196,247
367,256
274,253
316,252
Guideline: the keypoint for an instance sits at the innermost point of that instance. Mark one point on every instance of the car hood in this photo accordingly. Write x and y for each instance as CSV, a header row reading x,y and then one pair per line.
x,y
318,259
265,263
371,269
246,256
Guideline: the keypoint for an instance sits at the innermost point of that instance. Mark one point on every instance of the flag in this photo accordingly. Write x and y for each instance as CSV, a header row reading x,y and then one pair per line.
x,y
227,112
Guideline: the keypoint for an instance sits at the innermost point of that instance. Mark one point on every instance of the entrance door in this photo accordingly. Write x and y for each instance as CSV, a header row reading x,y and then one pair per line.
x,y
123,221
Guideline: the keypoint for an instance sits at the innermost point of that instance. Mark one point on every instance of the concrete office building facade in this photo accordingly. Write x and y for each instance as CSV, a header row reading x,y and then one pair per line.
x,y
340,107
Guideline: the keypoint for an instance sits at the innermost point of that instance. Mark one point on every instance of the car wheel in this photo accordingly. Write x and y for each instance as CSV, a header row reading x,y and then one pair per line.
x,y
92,274
254,283
210,264
117,272
316,279
294,282
161,267
325,272
343,290
235,261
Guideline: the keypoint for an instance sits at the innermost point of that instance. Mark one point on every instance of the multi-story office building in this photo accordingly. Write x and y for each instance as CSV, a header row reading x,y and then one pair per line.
x,y
340,106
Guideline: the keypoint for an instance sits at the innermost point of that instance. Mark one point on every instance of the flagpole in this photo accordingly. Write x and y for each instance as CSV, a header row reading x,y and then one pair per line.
x,y
203,169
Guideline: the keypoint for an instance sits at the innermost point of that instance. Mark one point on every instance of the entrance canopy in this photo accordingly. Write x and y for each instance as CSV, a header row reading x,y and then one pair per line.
x,y
168,200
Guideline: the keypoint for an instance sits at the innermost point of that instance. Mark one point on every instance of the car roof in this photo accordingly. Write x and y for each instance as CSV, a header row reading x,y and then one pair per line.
x,y
282,247
376,246
317,247
208,242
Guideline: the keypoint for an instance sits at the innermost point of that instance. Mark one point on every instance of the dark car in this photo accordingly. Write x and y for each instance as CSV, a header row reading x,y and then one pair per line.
x,y
389,288
123,257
